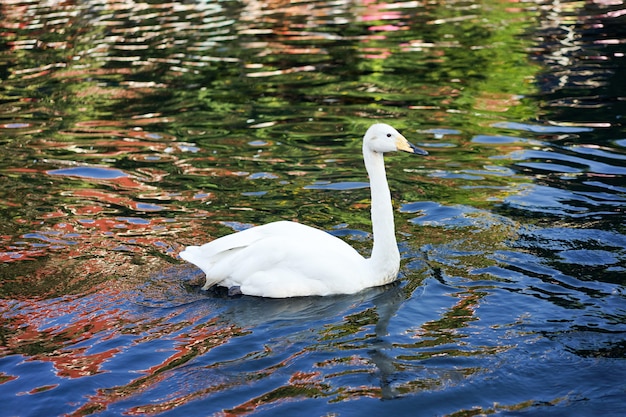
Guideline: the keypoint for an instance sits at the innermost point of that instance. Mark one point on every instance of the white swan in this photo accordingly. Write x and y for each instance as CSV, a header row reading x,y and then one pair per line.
x,y
288,259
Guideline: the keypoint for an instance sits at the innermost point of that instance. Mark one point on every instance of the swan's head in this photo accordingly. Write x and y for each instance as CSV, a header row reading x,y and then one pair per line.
x,y
381,137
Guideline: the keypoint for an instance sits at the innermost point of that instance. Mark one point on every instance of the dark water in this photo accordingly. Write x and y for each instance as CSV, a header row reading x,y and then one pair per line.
x,y
129,130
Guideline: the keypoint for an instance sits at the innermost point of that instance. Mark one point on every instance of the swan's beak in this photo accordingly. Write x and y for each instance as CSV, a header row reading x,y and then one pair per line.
x,y
404,145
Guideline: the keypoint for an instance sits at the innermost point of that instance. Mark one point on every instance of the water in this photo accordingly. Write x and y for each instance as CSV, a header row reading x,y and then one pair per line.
x,y
132,129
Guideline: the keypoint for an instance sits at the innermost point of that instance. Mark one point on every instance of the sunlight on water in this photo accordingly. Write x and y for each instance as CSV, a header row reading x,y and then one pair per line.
x,y
130,130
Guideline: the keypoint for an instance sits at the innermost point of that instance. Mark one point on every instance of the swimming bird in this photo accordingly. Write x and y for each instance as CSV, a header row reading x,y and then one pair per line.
x,y
288,259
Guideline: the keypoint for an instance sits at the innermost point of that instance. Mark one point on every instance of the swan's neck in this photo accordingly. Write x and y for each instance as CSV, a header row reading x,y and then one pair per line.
x,y
385,259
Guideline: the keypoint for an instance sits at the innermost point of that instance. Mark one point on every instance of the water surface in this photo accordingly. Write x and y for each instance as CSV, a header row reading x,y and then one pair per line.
x,y
129,130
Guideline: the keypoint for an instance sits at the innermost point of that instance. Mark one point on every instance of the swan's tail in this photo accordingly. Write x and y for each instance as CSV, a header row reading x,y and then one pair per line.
x,y
194,255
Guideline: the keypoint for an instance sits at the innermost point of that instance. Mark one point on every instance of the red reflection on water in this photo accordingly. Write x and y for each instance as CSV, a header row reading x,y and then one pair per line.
x,y
303,385
376,53
101,197
75,363
93,219
32,333
377,12
43,388
67,332
200,340
386,28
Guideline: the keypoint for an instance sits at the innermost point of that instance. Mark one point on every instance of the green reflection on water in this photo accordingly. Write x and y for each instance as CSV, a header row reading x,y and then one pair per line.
x,y
182,107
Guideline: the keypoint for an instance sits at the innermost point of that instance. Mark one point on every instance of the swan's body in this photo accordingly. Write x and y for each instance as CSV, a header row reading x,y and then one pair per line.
x,y
288,259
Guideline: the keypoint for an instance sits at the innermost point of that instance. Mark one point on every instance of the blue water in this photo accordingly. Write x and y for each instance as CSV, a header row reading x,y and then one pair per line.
x,y
130,130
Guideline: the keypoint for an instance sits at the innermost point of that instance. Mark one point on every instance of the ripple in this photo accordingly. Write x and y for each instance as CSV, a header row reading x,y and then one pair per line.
x,y
589,257
134,220
262,176
153,158
439,133
496,140
90,172
435,214
15,125
544,166
552,200
592,165
456,175
49,237
594,150
527,127
148,207
338,186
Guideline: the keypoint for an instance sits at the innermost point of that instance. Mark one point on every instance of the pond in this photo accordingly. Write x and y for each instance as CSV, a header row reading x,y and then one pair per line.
x,y
131,129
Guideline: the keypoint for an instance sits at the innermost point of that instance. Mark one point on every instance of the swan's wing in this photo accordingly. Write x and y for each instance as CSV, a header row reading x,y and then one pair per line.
x,y
250,236
208,255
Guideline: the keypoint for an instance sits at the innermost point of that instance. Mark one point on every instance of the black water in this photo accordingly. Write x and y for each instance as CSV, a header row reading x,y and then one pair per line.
x,y
129,130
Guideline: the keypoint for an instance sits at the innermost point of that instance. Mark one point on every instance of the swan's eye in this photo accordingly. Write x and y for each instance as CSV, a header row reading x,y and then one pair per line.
x,y
388,135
